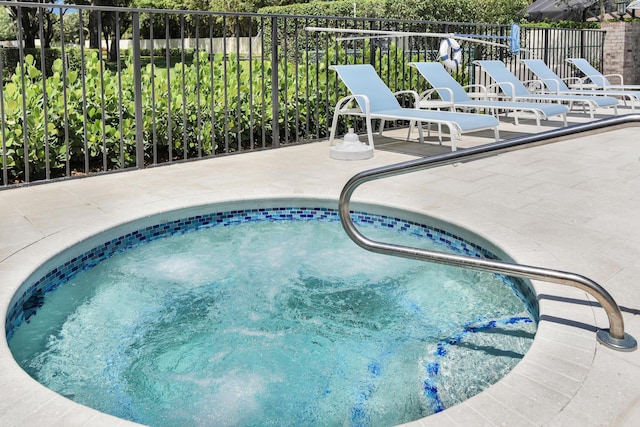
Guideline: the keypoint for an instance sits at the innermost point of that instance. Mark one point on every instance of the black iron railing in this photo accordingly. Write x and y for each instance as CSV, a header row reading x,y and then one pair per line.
x,y
100,89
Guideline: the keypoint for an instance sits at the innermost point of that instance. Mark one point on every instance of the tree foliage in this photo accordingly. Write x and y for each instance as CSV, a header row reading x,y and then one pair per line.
x,y
28,19
7,25
105,22
477,11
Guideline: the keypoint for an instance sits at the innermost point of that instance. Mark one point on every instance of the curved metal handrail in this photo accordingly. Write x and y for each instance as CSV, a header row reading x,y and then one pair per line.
x,y
614,337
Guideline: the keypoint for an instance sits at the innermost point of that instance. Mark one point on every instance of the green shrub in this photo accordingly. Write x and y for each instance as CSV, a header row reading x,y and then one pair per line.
x,y
15,123
10,58
99,129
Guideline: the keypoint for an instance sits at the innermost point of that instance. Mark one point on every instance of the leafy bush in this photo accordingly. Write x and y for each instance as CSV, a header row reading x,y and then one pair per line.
x,y
10,58
187,123
15,122
225,105
67,115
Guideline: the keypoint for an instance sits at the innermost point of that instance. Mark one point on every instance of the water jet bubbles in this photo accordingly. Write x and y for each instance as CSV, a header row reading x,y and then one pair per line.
x,y
259,323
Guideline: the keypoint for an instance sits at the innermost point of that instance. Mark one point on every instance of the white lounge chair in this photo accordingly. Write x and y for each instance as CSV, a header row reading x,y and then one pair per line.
x,y
596,78
372,99
515,90
450,90
556,84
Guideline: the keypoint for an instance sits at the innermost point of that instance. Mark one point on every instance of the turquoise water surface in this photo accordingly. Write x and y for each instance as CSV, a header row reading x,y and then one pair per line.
x,y
274,323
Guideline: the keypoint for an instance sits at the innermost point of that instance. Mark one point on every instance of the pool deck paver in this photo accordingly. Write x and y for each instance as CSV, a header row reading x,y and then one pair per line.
x,y
572,205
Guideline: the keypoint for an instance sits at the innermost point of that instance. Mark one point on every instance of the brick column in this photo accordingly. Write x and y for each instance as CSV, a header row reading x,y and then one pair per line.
x,y
621,50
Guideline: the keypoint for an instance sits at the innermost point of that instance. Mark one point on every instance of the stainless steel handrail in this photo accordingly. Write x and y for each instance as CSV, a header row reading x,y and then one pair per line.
x,y
614,337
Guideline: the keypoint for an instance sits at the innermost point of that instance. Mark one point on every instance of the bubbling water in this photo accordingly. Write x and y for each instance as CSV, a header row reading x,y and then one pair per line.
x,y
273,323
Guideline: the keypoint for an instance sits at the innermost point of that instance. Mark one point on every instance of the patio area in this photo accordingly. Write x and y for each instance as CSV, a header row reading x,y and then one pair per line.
x,y
571,205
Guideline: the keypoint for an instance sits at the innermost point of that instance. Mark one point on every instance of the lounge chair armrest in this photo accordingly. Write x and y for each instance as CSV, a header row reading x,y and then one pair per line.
x,y
552,84
580,83
429,92
496,87
344,105
572,80
601,80
618,77
536,85
426,94
416,97
477,88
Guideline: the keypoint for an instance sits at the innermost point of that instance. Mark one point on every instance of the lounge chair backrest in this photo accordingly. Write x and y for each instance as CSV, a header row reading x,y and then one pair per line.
x,y
501,74
438,77
544,73
362,79
589,70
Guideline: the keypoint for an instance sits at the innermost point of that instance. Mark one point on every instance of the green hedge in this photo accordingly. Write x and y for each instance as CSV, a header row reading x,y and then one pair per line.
x,y
308,94
10,58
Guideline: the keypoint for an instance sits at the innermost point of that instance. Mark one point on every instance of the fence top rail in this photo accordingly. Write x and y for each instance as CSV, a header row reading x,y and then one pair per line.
x,y
559,30
14,4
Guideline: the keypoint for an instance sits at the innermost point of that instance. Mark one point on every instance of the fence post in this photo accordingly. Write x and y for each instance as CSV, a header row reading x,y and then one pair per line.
x,y
137,90
546,45
25,127
275,124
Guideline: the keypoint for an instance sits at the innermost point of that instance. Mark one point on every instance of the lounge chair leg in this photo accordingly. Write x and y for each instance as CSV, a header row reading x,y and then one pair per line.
x,y
411,125
420,135
369,131
418,125
334,125
454,135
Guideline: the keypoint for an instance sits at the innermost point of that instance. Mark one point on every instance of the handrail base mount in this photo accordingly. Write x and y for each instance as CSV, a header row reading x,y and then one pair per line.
x,y
628,343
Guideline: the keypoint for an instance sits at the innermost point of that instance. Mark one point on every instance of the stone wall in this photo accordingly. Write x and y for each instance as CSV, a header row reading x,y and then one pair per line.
x,y
622,50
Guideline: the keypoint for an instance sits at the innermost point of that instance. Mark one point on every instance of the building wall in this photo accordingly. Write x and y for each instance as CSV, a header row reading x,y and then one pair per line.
x,y
621,53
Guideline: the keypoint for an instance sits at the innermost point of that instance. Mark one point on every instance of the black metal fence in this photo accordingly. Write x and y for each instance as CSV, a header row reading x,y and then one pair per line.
x,y
101,89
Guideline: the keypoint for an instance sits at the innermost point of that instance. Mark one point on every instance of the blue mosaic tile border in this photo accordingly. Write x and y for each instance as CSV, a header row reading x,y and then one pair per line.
x,y
32,298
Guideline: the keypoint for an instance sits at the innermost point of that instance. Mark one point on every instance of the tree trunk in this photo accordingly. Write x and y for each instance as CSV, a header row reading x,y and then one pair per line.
x,y
29,30
48,30
113,52
94,36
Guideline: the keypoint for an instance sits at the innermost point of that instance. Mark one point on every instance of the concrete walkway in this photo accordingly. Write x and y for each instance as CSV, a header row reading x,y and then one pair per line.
x,y
573,205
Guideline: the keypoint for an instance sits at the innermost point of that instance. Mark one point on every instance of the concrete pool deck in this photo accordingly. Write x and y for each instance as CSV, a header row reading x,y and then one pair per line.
x,y
573,205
